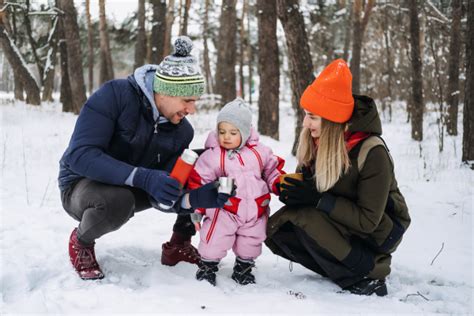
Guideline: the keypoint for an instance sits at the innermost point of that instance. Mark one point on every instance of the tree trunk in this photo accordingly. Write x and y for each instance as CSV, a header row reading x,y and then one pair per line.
x,y
18,86
249,57
168,28
90,47
74,54
106,65
301,67
140,45
347,35
387,34
452,98
268,69
29,33
184,25
19,67
65,91
226,56
360,24
207,63
242,42
417,82
468,115
158,31
49,70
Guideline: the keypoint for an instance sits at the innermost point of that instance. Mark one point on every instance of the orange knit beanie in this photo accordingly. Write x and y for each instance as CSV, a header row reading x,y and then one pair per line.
x,y
330,94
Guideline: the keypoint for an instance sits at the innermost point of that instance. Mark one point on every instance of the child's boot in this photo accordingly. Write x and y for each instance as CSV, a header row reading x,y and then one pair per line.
x,y
243,271
207,271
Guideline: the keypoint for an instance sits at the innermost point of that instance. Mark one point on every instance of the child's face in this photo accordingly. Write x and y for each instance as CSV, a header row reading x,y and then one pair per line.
x,y
229,135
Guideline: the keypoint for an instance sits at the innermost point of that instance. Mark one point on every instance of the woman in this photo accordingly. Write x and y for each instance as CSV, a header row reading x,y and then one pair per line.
x,y
347,216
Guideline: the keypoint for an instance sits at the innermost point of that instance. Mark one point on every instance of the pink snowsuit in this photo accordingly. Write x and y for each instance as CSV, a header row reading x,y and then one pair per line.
x,y
241,223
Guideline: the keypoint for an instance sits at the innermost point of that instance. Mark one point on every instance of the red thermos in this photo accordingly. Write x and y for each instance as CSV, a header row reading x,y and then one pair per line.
x,y
182,169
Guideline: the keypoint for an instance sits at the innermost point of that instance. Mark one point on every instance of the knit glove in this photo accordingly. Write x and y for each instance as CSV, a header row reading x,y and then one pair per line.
x,y
208,197
158,184
299,192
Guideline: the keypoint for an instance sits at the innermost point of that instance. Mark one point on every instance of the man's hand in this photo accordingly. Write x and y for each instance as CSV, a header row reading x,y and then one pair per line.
x,y
158,184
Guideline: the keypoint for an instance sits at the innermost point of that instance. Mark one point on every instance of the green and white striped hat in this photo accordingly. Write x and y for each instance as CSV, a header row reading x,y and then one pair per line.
x,y
178,75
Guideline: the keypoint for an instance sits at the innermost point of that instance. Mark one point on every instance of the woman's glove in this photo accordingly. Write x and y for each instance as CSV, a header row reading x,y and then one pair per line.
x,y
299,192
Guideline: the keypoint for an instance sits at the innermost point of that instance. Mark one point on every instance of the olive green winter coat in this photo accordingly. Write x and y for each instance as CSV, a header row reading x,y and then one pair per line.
x,y
365,203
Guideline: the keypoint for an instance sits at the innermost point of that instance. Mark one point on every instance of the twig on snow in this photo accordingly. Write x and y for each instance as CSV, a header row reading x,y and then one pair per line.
x,y
442,246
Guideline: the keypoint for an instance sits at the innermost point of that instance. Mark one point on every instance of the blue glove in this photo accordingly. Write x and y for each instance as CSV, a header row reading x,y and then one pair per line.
x,y
158,184
207,196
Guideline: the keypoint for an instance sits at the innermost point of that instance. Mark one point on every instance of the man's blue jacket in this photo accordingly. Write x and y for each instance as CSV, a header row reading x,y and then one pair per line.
x,y
116,132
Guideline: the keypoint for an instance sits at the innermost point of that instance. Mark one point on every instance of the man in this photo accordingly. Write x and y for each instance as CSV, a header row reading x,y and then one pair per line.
x,y
127,139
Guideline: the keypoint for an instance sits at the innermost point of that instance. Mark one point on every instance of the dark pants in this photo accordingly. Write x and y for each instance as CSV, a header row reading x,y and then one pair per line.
x,y
102,208
331,252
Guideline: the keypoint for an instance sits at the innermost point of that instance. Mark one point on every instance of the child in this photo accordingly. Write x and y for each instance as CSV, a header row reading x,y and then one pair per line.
x,y
234,151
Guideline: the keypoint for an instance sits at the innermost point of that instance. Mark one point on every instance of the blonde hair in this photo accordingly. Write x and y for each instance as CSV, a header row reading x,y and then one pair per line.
x,y
330,157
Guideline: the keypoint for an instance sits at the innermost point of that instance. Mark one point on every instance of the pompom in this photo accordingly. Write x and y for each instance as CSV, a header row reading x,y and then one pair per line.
x,y
183,46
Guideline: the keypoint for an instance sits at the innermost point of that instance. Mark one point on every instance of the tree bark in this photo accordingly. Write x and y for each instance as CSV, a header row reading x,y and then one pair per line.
x,y
242,40
90,47
360,24
452,97
106,65
19,67
468,113
184,24
74,54
29,33
249,57
18,86
301,67
158,31
417,82
268,70
388,49
65,91
168,28
49,70
207,63
140,45
347,35
226,56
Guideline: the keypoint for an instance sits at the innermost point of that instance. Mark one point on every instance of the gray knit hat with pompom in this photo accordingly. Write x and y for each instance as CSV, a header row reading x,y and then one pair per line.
x,y
178,75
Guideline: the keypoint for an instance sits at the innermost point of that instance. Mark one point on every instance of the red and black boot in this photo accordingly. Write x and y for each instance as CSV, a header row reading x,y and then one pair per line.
x,y
179,249
83,259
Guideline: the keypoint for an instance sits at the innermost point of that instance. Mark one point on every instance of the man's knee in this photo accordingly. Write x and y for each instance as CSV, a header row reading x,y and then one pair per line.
x,y
119,207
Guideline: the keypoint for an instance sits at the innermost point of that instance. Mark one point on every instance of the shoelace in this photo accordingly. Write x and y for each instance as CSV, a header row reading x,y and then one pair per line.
x,y
86,259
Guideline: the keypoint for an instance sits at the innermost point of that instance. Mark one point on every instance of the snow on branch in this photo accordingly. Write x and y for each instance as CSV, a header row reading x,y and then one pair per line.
x,y
441,16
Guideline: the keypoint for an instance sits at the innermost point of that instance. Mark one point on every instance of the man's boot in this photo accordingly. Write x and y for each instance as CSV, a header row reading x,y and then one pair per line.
x,y
368,287
83,259
243,271
207,271
178,249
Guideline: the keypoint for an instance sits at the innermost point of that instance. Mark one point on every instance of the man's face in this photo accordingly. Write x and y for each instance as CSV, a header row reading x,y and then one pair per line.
x,y
175,108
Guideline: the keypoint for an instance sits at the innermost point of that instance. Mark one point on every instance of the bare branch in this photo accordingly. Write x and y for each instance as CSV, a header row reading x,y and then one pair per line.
x,y
442,246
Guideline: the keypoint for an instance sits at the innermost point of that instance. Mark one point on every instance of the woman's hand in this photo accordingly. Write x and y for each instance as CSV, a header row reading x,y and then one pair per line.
x,y
299,192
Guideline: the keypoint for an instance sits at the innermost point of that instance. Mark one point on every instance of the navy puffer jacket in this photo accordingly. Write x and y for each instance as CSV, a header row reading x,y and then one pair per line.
x,y
115,132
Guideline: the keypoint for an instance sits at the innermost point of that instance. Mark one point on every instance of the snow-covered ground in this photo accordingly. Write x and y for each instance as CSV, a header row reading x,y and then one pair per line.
x,y
36,276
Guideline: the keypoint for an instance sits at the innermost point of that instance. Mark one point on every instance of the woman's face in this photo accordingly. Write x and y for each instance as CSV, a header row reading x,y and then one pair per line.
x,y
313,123
229,135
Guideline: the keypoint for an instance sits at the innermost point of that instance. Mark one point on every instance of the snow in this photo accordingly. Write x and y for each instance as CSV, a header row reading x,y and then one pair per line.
x,y
36,276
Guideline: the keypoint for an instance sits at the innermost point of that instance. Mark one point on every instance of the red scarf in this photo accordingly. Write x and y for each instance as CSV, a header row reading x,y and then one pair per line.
x,y
351,139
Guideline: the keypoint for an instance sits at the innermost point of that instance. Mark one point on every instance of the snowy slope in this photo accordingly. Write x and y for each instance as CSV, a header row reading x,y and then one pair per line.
x,y
36,276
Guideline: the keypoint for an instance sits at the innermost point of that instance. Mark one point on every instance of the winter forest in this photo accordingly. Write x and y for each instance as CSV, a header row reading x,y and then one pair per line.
x,y
413,57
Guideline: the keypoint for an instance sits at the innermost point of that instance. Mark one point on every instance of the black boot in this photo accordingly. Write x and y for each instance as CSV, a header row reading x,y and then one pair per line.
x,y
368,287
207,271
243,271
